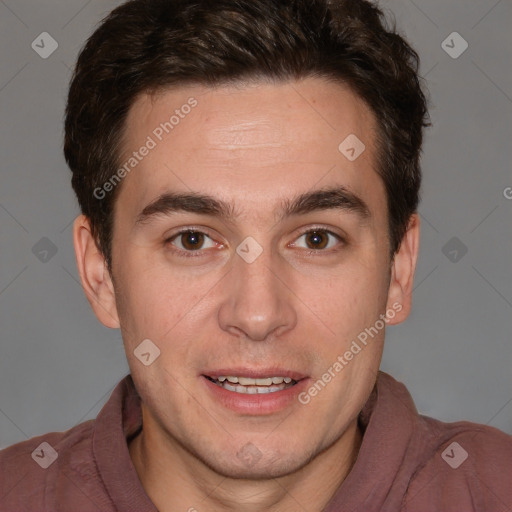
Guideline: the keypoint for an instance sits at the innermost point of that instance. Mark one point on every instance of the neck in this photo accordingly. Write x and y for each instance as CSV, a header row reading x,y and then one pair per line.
x,y
177,481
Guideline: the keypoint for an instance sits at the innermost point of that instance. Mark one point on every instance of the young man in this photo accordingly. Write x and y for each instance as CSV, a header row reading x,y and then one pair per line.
x,y
248,173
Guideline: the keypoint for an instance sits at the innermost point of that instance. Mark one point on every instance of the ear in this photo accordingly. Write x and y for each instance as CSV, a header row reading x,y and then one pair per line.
x,y
402,273
94,274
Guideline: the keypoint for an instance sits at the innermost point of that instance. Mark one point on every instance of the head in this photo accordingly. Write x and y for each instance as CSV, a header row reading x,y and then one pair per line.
x,y
228,120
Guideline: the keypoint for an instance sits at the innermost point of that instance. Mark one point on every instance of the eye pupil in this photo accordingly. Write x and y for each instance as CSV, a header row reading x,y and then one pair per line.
x,y
192,239
316,238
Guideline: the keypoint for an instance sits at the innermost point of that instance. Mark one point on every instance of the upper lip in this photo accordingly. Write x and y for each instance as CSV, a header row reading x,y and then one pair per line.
x,y
254,373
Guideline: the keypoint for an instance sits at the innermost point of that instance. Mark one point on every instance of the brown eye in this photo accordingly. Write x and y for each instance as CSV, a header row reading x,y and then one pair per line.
x,y
190,241
317,239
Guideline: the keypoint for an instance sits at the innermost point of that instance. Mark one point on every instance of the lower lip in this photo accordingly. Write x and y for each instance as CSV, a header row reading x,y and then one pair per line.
x,y
257,404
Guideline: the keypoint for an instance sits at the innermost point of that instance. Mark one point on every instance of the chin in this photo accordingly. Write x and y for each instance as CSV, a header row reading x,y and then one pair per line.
x,y
260,471
249,463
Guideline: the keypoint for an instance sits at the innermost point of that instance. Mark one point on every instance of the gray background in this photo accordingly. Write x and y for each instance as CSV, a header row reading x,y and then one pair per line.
x,y
58,365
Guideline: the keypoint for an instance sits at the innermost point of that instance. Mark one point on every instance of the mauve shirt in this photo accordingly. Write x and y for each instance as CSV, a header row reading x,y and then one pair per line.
x,y
407,462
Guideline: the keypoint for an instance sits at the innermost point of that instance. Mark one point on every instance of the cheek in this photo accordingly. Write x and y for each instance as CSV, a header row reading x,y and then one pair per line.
x,y
349,306
142,297
348,298
160,303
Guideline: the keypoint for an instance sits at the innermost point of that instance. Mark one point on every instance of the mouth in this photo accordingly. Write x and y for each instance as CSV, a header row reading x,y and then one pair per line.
x,y
255,392
251,381
253,386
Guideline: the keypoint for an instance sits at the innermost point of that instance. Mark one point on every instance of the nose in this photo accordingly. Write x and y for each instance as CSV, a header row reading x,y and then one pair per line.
x,y
257,304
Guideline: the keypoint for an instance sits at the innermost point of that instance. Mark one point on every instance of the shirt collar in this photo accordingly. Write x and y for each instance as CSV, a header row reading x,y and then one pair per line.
x,y
387,420
120,419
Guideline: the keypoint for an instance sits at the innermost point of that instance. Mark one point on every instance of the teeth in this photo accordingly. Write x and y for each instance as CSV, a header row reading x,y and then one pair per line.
x,y
250,386
252,390
254,382
247,381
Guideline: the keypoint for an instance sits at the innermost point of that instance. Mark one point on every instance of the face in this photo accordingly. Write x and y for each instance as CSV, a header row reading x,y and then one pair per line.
x,y
277,266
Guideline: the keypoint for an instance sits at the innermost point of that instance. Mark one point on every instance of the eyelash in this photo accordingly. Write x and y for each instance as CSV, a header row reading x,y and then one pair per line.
x,y
200,253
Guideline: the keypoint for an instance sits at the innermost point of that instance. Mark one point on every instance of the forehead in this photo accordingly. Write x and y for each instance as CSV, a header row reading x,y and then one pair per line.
x,y
256,143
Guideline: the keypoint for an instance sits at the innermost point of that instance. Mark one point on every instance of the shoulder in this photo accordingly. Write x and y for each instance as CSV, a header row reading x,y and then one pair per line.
x,y
33,472
467,467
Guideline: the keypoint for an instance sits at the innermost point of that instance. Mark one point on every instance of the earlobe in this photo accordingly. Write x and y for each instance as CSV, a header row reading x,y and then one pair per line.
x,y
402,272
94,274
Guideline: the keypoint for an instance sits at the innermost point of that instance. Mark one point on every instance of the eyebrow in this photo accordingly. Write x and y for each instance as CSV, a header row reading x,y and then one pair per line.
x,y
332,198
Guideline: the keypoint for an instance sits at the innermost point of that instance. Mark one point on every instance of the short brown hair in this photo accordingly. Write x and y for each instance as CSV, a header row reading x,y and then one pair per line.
x,y
149,45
